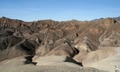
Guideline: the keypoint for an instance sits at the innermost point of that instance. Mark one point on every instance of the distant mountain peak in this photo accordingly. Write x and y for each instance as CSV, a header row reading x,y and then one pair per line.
x,y
117,18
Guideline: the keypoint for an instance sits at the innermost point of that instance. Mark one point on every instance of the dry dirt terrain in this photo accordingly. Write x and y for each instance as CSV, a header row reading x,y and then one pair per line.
x,y
65,46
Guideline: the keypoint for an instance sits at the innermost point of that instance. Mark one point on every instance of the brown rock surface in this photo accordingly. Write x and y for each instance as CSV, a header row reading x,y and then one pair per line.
x,y
84,41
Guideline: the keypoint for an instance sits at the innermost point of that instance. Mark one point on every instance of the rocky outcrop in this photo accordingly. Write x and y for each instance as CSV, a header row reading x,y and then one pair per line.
x,y
66,37
75,39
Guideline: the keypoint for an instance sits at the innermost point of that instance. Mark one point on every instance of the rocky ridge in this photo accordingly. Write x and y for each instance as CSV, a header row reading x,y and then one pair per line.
x,y
84,41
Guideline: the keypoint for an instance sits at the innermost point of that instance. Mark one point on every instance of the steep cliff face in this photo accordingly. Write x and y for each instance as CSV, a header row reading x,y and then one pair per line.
x,y
48,37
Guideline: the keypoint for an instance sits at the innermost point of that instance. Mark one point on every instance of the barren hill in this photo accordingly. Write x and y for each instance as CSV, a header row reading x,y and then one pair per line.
x,y
85,42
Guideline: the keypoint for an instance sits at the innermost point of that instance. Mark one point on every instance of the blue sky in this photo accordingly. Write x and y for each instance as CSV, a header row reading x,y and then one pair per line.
x,y
60,10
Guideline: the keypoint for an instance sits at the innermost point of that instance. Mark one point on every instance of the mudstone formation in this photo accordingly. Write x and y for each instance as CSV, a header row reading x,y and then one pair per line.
x,y
46,42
